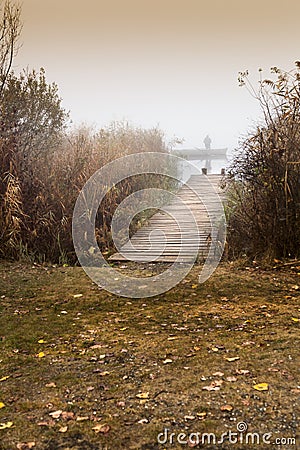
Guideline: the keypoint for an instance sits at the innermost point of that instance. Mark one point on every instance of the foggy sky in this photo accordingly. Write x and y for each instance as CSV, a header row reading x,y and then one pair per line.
x,y
168,62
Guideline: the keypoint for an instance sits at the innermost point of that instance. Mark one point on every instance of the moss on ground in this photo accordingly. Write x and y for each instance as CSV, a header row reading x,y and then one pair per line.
x,y
195,354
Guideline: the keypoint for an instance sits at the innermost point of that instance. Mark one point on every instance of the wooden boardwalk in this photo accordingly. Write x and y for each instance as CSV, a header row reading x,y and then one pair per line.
x,y
181,238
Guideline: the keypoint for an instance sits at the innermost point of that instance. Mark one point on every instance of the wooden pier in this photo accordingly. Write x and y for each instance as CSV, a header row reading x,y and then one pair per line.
x,y
178,239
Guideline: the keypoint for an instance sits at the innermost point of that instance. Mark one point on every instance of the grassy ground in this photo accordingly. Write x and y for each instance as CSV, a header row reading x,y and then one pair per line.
x,y
83,369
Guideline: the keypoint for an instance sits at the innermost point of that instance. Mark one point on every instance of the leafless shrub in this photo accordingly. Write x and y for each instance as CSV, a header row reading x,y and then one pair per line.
x,y
264,199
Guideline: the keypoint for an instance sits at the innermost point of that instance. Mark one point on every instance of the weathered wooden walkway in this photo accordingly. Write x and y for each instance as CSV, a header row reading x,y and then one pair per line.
x,y
166,222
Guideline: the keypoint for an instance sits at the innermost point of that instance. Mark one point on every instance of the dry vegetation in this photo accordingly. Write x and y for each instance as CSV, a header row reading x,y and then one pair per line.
x,y
39,191
264,204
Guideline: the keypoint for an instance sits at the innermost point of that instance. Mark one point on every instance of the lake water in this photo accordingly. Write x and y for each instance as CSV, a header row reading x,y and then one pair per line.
x,y
213,166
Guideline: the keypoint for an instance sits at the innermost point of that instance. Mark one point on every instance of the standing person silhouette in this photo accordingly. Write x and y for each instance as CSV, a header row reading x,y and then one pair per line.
x,y
207,142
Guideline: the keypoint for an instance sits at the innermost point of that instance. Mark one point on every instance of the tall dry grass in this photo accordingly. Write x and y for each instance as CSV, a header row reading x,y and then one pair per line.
x,y
37,203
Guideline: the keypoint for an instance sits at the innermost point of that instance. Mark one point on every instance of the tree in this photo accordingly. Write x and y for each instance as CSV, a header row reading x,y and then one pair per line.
x,y
265,201
10,29
31,115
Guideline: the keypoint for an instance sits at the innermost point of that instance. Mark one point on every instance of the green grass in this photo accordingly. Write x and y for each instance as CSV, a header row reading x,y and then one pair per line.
x,y
101,351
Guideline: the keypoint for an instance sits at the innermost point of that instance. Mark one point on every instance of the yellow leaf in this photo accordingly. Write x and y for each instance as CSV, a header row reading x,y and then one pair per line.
x,y
226,408
41,341
194,286
6,425
143,395
261,387
294,319
4,378
234,358
2,405
51,385
41,355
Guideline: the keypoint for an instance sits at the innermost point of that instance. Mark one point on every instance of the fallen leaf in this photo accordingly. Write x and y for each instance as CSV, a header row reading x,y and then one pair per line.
x,y
261,387
189,417
103,374
273,369
167,361
295,391
172,338
226,408
295,319
211,388
2,405
101,428
4,378
121,404
242,372
202,415
82,418
25,445
41,355
78,295
231,379
215,349
143,395
143,421
56,414
50,385
41,341
218,374
67,415
44,423
248,343
3,426
234,358
194,286
217,383
295,287
63,429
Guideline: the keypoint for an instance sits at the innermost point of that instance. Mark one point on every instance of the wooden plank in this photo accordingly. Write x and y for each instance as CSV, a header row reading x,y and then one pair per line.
x,y
176,240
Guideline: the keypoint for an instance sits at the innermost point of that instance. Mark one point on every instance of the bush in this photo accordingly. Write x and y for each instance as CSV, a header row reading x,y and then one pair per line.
x,y
264,177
